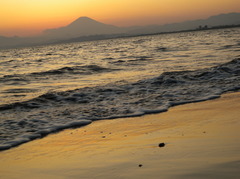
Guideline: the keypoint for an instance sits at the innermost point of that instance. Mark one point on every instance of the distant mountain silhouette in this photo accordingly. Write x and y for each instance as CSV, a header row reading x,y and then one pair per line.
x,y
219,20
85,28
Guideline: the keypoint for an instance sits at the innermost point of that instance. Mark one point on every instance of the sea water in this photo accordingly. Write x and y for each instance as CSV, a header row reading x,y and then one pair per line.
x,y
45,89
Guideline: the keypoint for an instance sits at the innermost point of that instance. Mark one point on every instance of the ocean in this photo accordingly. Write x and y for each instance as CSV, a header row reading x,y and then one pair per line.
x,y
46,89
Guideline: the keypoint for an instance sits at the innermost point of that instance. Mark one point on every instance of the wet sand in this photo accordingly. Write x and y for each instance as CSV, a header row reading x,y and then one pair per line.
x,y
201,141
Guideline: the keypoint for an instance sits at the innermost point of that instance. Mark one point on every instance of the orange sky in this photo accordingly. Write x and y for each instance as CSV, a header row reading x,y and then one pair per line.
x,y
30,17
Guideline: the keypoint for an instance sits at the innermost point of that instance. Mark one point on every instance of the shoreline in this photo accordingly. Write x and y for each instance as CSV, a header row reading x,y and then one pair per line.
x,y
81,106
201,142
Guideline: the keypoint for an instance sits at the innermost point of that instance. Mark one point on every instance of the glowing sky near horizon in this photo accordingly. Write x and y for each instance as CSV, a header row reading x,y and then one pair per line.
x,y
30,17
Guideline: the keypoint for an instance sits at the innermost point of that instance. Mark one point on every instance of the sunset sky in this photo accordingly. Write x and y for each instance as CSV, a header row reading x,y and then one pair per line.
x,y
30,17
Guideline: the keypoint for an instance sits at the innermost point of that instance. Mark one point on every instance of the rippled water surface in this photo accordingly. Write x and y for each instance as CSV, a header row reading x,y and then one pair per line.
x,y
29,72
49,88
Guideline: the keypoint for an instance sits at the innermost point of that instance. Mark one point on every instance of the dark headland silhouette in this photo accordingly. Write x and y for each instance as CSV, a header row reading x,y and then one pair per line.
x,y
85,28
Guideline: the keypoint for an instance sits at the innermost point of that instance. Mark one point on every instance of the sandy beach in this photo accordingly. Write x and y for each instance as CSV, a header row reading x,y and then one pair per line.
x,y
201,141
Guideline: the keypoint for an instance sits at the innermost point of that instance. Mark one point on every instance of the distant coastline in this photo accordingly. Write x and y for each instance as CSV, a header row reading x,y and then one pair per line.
x,y
116,36
197,29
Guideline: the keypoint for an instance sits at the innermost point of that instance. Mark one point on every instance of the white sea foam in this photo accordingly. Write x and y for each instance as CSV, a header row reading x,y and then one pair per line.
x,y
41,133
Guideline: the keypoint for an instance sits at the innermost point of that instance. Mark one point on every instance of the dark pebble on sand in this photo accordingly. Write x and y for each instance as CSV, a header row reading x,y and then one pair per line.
x,y
161,145
140,165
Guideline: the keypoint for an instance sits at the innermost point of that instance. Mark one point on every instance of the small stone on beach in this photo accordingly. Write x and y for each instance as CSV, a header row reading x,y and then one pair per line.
x,y
140,165
161,145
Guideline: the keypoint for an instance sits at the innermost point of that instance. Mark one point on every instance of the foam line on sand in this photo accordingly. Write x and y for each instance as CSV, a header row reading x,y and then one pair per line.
x,y
201,141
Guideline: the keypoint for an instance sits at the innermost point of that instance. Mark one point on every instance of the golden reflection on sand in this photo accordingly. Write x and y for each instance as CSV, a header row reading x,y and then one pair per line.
x,y
199,138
